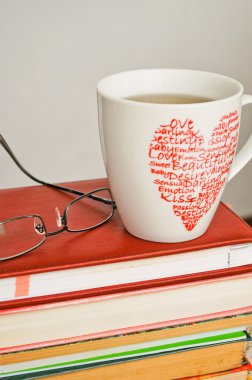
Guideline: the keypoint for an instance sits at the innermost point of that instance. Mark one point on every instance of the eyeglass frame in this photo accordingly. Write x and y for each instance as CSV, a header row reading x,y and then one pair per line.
x,y
65,213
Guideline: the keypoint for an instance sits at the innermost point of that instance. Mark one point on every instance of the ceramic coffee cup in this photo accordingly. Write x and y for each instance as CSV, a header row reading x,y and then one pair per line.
x,y
169,139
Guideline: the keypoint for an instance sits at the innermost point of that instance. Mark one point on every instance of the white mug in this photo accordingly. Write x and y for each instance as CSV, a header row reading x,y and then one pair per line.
x,y
168,164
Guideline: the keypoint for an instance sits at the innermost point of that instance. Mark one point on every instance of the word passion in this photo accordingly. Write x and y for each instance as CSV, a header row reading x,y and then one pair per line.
x,y
188,171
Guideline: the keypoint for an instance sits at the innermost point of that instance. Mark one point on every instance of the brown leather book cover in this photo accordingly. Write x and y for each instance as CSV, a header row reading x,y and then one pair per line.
x,y
107,244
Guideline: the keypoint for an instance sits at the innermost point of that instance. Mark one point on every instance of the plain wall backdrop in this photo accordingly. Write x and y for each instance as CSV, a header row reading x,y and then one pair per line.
x,y
53,52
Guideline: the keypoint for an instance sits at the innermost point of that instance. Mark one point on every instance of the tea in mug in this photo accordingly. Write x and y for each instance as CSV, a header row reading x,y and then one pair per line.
x,y
169,98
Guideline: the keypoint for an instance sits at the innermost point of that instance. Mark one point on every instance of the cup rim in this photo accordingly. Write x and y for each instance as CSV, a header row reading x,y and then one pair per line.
x,y
103,93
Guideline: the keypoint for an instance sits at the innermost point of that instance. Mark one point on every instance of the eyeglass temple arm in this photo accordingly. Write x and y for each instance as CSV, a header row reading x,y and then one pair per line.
x,y
58,187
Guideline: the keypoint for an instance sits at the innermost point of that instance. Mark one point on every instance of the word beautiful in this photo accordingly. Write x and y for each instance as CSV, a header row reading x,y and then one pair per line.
x,y
189,173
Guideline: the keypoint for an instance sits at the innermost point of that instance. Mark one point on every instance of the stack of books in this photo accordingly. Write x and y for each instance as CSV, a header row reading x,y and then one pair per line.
x,y
104,304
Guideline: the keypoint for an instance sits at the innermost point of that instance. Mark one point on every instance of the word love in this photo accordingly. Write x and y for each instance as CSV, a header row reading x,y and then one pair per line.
x,y
188,171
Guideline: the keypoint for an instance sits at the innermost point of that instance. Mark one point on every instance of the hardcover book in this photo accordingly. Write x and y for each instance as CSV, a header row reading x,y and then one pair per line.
x,y
171,366
108,259
113,314
128,353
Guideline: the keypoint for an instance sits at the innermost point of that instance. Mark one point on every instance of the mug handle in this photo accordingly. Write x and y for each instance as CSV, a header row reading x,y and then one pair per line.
x,y
245,154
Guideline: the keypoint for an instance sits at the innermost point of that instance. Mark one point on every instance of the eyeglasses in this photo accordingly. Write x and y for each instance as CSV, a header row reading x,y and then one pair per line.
x,y
23,234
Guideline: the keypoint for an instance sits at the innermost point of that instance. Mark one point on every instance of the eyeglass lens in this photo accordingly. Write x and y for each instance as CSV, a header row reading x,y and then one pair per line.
x,y
20,235
87,213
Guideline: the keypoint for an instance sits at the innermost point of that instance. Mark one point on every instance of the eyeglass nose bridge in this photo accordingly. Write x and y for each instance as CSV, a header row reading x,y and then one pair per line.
x,y
60,221
41,229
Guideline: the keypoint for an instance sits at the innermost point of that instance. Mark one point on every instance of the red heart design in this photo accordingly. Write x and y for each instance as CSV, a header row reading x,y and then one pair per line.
x,y
189,173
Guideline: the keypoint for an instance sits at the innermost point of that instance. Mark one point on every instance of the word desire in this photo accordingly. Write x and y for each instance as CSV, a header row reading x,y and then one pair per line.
x,y
188,171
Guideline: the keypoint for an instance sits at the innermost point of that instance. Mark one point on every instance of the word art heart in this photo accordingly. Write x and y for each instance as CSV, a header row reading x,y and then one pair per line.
x,y
188,171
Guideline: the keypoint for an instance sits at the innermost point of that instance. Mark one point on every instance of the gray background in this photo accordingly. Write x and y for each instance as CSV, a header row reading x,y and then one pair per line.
x,y
53,52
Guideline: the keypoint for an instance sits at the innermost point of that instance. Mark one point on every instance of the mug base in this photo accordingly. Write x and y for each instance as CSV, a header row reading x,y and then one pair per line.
x,y
165,239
